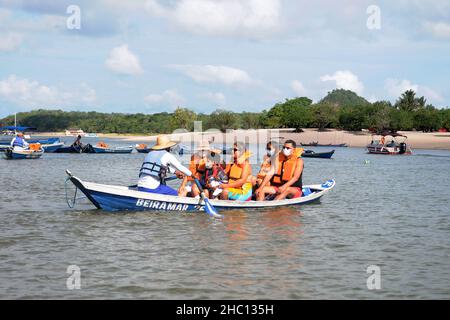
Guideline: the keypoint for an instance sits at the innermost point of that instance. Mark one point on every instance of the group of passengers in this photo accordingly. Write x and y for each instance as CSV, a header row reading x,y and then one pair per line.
x,y
279,177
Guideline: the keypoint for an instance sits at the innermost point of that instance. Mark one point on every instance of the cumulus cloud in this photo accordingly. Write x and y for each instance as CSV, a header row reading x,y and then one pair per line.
x,y
298,88
215,74
396,87
438,29
250,18
217,98
345,79
169,98
122,61
10,41
30,93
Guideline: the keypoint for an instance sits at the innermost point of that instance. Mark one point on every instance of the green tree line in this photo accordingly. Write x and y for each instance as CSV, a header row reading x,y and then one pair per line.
x,y
340,109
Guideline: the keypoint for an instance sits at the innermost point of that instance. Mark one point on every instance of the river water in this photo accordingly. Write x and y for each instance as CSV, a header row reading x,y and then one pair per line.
x,y
389,211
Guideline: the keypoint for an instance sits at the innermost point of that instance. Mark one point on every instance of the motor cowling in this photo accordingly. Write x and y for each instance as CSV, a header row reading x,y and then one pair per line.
x,y
402,148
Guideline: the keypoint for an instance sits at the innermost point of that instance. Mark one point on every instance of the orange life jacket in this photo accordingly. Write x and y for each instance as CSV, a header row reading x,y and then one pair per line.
x,y
101,144
34,146
197,166
286,168
234,171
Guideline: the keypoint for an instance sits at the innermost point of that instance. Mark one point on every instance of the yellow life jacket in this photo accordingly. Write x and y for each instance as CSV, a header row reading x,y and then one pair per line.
x,y
286,167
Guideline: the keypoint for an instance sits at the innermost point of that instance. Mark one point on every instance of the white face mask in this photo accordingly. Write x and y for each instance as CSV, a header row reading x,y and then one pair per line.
x,y
209,165
287,152
270,152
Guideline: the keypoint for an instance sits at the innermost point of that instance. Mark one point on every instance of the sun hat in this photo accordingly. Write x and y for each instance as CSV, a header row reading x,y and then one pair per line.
x,y
163,142
205,146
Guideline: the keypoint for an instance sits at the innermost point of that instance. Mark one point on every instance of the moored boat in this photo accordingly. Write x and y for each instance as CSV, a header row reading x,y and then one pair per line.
x,y
87,148
321,155
119,198
311,144
142,148
102,147
12,154
50,148
394,147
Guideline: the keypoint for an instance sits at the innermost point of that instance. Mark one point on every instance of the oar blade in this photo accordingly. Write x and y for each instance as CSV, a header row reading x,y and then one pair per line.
x,y
211,210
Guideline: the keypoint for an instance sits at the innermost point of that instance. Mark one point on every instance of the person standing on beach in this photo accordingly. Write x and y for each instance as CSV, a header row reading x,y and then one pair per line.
x,y
157,164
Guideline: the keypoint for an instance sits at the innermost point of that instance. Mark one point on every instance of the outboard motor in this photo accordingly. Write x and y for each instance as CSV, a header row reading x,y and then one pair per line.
x,y
402,148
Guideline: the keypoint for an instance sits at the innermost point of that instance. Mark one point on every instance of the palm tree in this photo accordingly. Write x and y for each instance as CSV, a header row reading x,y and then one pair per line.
x,y
409,102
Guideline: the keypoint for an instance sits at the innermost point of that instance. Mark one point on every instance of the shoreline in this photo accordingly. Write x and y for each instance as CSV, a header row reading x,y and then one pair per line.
x,y
360,139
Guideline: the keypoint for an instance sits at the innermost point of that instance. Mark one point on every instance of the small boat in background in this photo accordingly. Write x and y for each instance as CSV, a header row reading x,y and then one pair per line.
x,y
321,155
311,144
142,148
87,148
102,147
339,145
90,135
52,147
35,151
392,148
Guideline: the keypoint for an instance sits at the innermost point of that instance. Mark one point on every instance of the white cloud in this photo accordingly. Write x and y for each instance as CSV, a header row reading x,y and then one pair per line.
x,y
345,79
298,88
122,61
217,98
30,93
438,29
246,18
169,97
10,41
215,74
396,87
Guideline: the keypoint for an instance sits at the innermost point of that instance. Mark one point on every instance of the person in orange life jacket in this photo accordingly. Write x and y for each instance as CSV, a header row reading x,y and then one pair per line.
x,y
19,143
270,160
286,178
201,162
239,173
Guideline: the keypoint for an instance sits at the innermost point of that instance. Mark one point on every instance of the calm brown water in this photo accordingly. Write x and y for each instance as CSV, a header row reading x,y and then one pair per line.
x,y
392,212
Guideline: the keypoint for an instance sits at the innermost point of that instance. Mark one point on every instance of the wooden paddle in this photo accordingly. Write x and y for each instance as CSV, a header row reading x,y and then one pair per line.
x,y
209,208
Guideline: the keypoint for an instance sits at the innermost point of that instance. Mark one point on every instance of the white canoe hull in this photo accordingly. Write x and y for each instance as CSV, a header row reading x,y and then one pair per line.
x,y
118,198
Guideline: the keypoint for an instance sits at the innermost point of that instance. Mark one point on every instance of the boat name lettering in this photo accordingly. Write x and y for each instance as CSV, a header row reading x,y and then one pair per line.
x,y
161,205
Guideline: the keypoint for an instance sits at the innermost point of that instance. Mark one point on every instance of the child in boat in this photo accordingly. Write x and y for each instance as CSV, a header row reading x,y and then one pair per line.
x,y
270,160
285,178
239,185
202,162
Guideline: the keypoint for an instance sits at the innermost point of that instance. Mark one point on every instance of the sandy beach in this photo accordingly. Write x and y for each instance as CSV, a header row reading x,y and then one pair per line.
x,y
417,140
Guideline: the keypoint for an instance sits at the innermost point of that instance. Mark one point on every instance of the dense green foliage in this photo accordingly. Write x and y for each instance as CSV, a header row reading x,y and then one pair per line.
x,y
340,109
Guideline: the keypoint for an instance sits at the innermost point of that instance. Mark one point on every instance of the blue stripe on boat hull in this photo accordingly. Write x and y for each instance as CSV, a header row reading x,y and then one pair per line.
x,y
110,202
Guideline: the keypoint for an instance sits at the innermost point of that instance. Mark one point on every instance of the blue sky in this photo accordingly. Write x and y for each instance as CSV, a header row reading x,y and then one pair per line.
x,y
153,55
